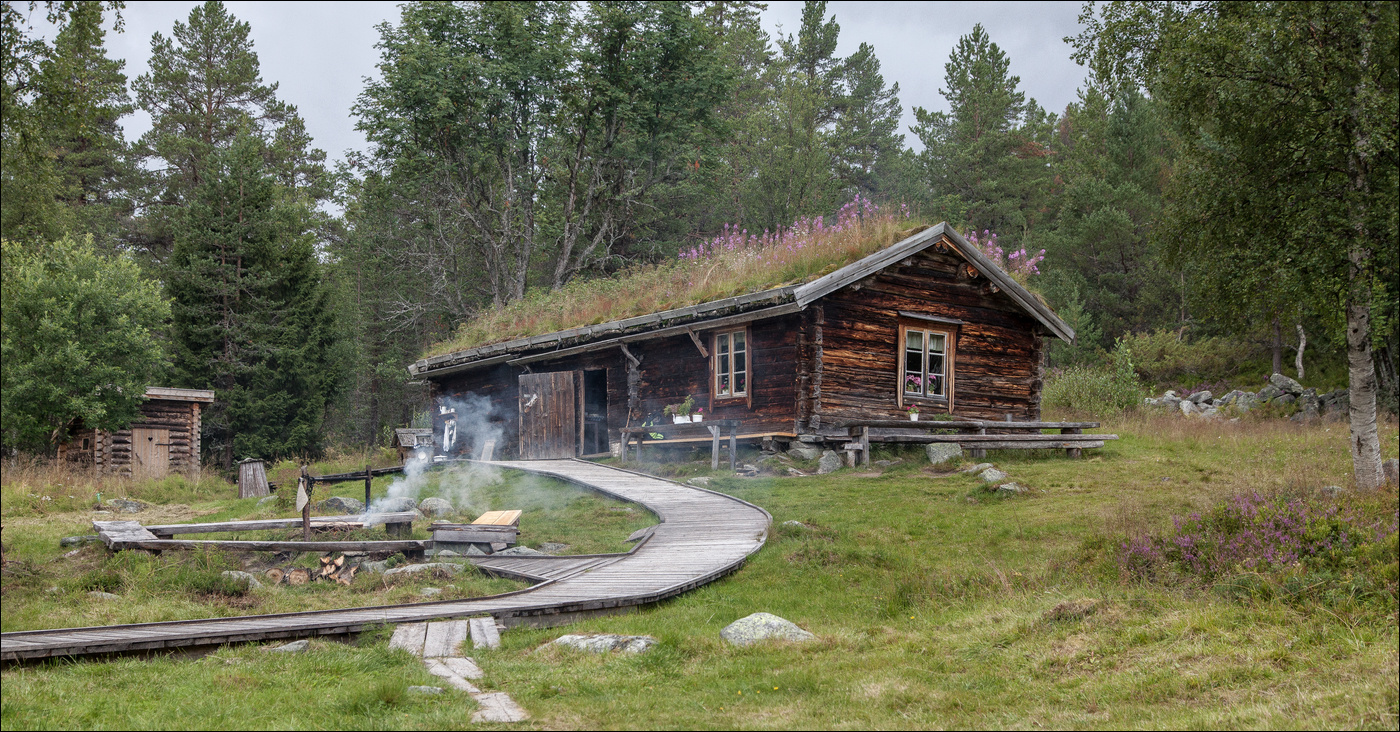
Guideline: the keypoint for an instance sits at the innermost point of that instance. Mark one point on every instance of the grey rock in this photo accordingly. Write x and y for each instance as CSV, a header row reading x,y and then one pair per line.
x,y
342,506
942,453
746,470
252,582
425,690
794,472
1391,470
266,501
1268,393
1012,488
293,647
553,547
1286,385
475,551
1286,399
1333,490
436,507
701,482
760,627
795,524
125,505
992,475
104,595
395,505
1188,408
375,567
412,569
520,551
1201,397
804,451
445,554
430,592
606,643
979,467
1246,401
1208,412
1171,393
830,462
1171,401
78,540
1229,398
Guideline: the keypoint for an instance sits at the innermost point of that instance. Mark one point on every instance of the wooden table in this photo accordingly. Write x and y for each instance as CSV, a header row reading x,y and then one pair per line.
x,y
680,433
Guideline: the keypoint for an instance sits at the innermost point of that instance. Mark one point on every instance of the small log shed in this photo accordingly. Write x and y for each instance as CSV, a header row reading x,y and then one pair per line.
x,y
929,321
164,439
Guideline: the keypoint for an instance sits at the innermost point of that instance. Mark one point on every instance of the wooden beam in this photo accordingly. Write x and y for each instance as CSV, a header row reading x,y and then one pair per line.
x,y
635,361
316,521
698,344
276,546
965,424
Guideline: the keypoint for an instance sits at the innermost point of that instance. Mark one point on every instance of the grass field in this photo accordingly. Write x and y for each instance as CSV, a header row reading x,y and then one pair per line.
x,y
932,600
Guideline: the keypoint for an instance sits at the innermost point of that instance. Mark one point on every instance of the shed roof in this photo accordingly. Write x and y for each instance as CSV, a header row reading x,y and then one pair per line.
x,y
170,393
733,310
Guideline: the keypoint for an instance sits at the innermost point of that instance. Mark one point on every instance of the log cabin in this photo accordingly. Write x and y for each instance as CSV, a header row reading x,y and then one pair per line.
x,y
929,322
164,439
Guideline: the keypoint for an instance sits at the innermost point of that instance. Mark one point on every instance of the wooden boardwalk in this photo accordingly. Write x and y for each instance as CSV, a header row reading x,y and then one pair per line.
x,y
702,536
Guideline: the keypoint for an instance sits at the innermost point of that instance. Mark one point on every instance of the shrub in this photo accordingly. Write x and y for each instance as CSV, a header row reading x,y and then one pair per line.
x,y
1253,546
1163,357
1109,388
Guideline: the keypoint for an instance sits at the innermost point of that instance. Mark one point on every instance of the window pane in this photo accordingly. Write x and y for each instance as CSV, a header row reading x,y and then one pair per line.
x,y
722,369
723,384
914,363
723,343
740,362
935,343
935,374
738,340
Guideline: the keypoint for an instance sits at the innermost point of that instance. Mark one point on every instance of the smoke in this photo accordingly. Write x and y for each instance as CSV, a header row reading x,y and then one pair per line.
x,y
465,430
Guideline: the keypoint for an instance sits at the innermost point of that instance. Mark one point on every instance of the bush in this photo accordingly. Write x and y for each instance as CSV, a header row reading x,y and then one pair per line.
x,y
1110,388
1252,546
1163,358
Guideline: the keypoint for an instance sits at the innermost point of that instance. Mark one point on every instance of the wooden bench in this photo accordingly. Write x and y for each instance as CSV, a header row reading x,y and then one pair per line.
x,y
973,436
688,432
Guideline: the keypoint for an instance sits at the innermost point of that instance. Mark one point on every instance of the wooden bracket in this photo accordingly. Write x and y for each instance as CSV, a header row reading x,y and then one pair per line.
x,y
635,361
698,343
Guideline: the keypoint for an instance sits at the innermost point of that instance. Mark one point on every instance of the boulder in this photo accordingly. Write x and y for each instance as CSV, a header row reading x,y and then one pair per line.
x,y
1285,384
701,482
1201,397
1208,412
1246,401
760,627
942,453
606,643
804,451
249,580
1285,399
395,504
436,507
430,592
78,540
293,647
375,567
747,471
1391,470
1268,393
1335,404
520,551
411,569
829,462
979,467
1170,401
1229,398
342,506
125,505
992,475
1188,407
1012,489
444,554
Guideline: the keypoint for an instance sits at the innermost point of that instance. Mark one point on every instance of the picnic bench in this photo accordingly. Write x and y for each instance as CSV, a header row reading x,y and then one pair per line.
x,y
687,432
497,529
974,435
119,535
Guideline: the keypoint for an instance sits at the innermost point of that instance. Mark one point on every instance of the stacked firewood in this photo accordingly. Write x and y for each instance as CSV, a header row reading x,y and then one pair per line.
x,y
334,569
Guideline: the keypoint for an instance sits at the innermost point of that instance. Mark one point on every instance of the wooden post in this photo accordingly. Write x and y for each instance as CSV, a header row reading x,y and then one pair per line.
x,y
714,446
733,444
306,509
865,446
1073,452
369,476
978,452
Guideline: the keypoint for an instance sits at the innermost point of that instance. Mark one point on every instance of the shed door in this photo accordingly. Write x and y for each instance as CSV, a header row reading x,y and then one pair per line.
x,y
150,452
548,416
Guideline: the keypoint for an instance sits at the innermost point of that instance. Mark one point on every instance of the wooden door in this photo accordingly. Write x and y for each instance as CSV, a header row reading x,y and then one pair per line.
x,y
150,452
549,416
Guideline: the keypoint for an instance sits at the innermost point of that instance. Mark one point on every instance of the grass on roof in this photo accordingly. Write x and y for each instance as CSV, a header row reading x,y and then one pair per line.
x,y
735,263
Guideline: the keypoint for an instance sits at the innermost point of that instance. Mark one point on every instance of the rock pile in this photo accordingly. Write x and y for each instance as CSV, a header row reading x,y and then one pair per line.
x,y
1281,391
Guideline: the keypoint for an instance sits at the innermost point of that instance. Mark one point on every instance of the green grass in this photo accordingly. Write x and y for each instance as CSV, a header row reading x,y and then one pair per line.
x,y
931,601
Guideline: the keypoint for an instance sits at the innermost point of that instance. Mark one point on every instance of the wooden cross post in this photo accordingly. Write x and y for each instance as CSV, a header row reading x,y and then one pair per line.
x,y
368,477
306,509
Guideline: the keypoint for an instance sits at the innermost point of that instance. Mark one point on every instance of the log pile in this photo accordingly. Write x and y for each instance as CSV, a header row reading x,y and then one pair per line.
x,y
333,569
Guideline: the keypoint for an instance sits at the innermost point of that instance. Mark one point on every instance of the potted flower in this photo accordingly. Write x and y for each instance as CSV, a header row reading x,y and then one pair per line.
x,y
913,413
680,413
699,415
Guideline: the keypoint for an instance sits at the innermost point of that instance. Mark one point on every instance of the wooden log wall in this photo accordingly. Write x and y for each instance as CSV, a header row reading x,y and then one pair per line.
x,y
998,363
109,453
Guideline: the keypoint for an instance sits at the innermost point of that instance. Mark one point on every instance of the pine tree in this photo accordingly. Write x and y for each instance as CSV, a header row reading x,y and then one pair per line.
x,y
866,141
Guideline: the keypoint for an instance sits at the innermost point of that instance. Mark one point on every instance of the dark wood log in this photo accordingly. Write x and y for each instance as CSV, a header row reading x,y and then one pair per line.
x,y
478,535
277,546
268,524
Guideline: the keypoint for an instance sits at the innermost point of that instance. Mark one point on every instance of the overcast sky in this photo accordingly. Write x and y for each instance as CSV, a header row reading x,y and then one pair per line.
x,y
321,52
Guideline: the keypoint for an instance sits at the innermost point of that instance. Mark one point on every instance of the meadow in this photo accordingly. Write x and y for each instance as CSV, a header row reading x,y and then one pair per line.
x,y
935,603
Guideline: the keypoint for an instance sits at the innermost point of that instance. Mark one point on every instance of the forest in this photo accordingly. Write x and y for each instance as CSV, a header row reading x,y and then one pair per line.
x,y
1219,204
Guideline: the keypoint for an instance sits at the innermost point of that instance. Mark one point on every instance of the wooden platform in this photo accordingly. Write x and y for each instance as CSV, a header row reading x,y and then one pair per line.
x,y
703,535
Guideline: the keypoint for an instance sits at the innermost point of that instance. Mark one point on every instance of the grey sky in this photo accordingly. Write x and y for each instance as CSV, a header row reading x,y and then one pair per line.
x,y
320,52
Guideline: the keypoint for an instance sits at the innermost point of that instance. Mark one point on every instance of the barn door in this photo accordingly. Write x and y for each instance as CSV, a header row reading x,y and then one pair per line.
x,y
548,416
150,453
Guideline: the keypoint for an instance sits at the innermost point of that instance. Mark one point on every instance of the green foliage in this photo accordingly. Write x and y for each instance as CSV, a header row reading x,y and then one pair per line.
x,y
1096,389
1163,357
81,340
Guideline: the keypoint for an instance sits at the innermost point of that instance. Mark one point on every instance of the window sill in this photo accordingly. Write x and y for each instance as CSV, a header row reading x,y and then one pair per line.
x,y
732,397
926,399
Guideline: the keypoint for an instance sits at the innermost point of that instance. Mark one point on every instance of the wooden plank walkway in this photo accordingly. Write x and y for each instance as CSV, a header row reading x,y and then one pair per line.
x,y
703,535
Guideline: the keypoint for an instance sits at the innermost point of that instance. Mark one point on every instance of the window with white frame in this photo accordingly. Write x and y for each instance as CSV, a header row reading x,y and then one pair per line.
x,y
731,354
925,367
